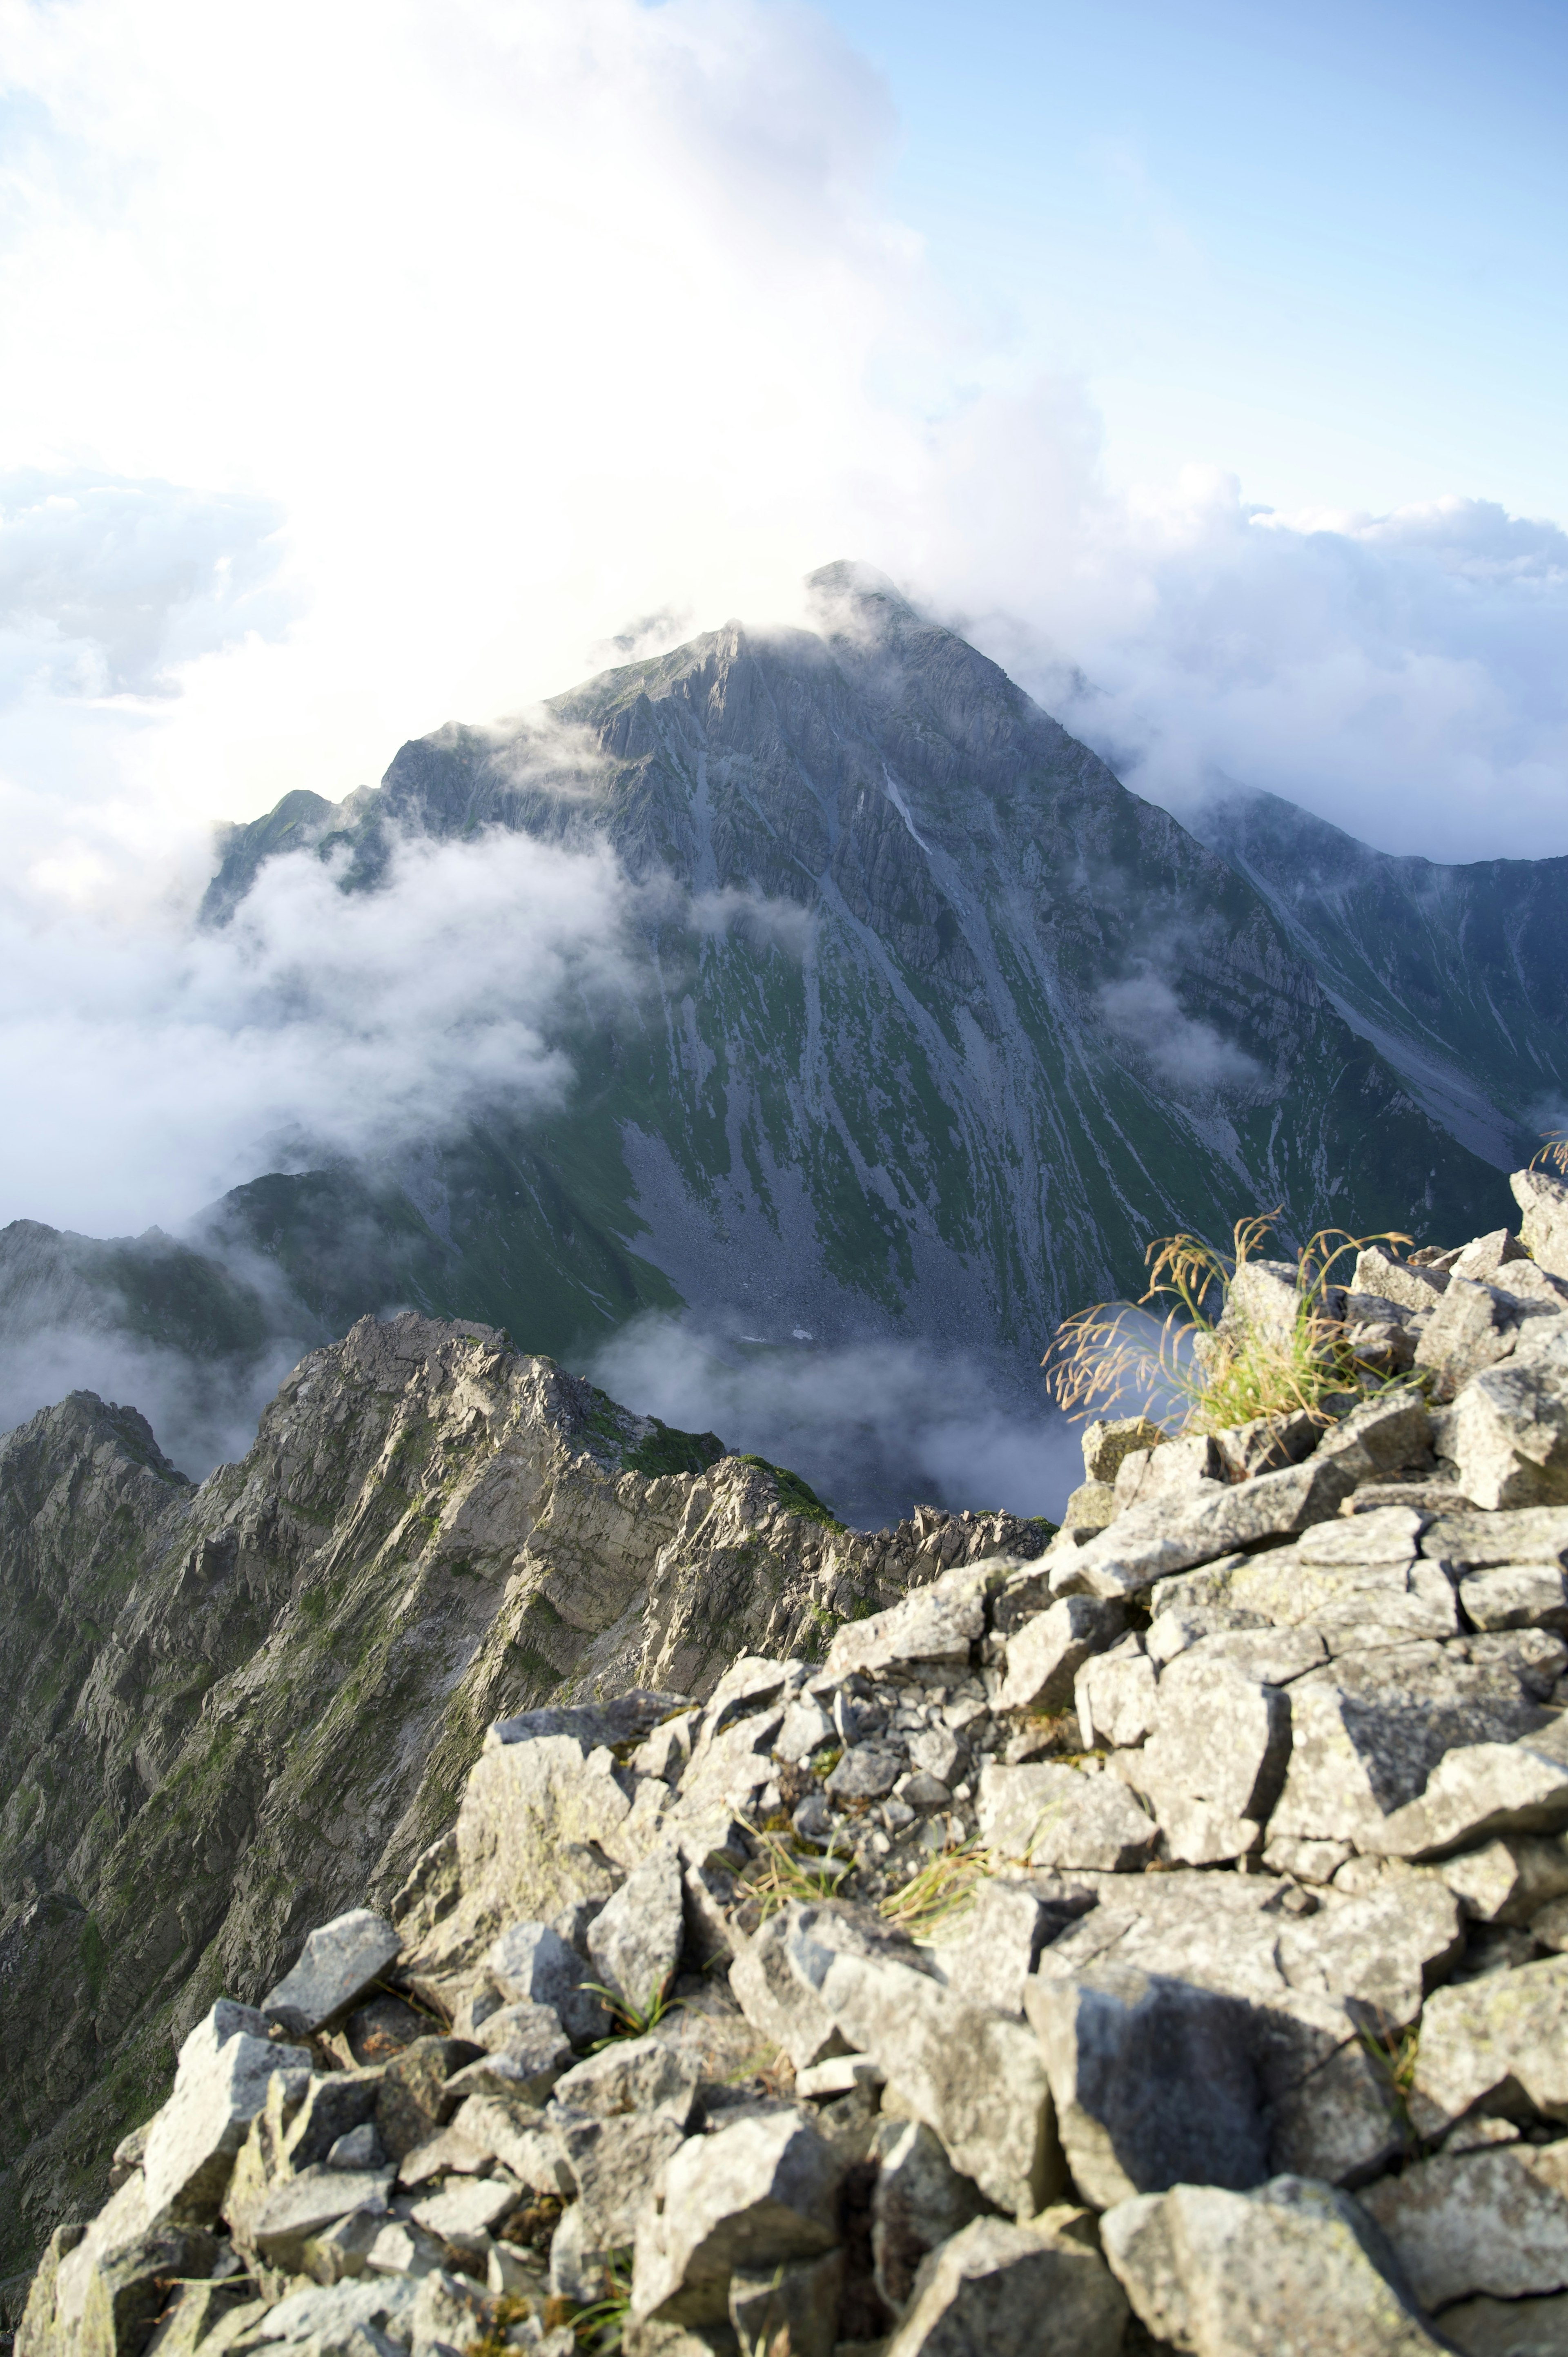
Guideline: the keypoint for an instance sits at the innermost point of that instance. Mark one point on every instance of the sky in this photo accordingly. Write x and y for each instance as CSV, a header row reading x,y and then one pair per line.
x,y
365,367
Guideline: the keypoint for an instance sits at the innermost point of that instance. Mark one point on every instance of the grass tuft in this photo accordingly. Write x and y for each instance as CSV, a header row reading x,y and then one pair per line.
x,y
781,1873
633,2020
940,1893
1217,1379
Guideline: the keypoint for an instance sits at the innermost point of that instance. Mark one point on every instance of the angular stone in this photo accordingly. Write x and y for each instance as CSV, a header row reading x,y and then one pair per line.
x,y
1341,2121
633,2074
413,2100
531,1963
971,2075
450,2152
1000,1945
996,2290
807,1730
628,1719
323,2315
465,2208
775,1979
1479,1542
1148,1543
1240,1777
1490,2222
866,1771
1516,1595
404,2249
1486,1254
520,2139
220,2085
302,2206
1294,2268
449,2312
1395,1280
1382,1952
1045,1655
1509,1879
1501,2042
1509,2328
1043,1815
1340,1576
936,1624
1153,2081
1475,1789
339,1962
1382,1436
1506,1432
1368,1731
791,2308
753,2196
614,2159
1544,1228
1307,1861
1265,1443
635,1941
918,2200
1115,1695
1475,1326
1106,1444
531,1816
1090,1507
1181,1474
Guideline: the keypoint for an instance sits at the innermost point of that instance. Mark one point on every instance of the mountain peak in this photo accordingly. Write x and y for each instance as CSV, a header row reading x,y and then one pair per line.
x,y
848,587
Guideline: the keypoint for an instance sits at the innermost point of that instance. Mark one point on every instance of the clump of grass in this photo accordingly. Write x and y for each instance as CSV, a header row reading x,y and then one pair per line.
x,y
1554,1150
600,2326
631,2020
781,1873
939,1893
1216,1374
1394,2052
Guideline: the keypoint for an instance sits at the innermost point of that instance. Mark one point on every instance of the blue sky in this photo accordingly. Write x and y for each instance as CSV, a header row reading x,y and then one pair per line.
x,y
1324,248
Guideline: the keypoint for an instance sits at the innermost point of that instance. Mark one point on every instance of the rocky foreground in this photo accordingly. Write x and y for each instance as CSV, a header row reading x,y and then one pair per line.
x,y
1159,1943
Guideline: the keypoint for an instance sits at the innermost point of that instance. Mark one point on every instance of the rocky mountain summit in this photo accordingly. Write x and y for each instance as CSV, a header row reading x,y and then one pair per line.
x,y
1155,1943
236,1708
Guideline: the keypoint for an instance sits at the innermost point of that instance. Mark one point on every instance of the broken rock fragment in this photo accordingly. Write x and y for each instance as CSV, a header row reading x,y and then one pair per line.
x,y
339,1962
757,2195
220,2087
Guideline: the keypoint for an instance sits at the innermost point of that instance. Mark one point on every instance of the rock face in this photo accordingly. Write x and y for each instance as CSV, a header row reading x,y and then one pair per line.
x,y
1244,2030
237,1710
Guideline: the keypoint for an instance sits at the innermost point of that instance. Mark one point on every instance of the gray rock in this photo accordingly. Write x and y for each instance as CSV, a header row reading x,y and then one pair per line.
x,y
1154,2083
1266,1657
776,1978
750,2197
1506,1432
807,1729
1239,1778
1510,2328
1475,1326
792,2308
1265,1443
633,2074
360,2147
1500,2041
302,2206
1181,1473
449,2313
1045,1655
1342,2122
1490,2222
1516,1595
1478,1542
339,1962
532,1964
1090,1507
923,1793
328,2313
1057,1817
974,2077
1486,1254
918,2200
614,2160
1380,1272
1509,1879
1340,1576
635,1941
937,1752
996,2290
1148,1541
534,1816
220,2085
866,1771
1114,1695
1105,1444
1475,1789
1294,2268
520,2139
1381,1437
937,1624
1544,1228
401,2249
1000,1945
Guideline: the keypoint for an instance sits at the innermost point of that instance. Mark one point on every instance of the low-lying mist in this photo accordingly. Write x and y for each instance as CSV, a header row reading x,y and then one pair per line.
x,y
875,1427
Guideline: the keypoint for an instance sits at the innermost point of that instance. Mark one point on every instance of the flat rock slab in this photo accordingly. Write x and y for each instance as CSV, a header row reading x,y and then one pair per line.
x,y
1500,2041
1295,2269
1011,2291
1154,2082
338,1963
1062,1817
937,1624
1492,2222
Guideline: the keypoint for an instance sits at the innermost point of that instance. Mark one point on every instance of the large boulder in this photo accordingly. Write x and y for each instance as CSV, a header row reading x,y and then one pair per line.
x,y
1052,1816
1154,2083
220,2084
753,2196
1494,2221
1506,1432
1295,2269
1011,2291
1499,2043
1543,1225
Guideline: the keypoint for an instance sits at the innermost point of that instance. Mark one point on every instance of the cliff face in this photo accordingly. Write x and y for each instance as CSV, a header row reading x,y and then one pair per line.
x,y
240,1706
1459,975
